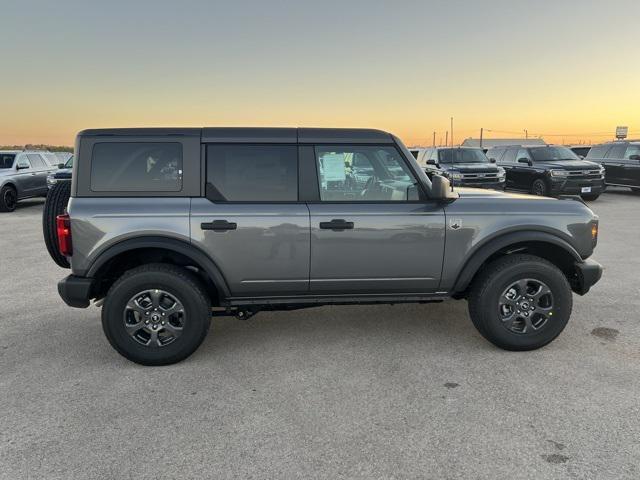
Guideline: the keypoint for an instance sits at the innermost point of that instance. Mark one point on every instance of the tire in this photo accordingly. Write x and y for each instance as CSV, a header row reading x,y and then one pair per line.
x,y
635,190
591,198
496,279
8,198
175,284
539,187
54,205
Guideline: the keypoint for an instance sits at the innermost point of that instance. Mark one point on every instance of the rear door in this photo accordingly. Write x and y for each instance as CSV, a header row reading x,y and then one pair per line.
x,y
632,165
39,175
508,162
251,222
370,231
614,164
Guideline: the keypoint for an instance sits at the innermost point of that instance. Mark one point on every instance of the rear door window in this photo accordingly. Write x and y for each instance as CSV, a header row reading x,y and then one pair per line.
x,y
632,150
617,151
598,151
136,167
495,153
252,173
510,155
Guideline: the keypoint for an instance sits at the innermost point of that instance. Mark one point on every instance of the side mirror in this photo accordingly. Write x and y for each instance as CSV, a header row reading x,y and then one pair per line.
x,y
492,160
524,160
581,157
431,161
441,188
634,157
21,167
61,165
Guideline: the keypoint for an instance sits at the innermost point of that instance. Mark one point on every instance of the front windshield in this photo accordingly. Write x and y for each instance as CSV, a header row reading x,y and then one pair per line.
x,y
462,155
551,154
69,163
6,160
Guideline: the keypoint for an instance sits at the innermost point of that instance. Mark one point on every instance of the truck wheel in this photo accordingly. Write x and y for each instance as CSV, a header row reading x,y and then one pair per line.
x,y
592,197
54,205
156,314
539,187
635,190
520,302
8,199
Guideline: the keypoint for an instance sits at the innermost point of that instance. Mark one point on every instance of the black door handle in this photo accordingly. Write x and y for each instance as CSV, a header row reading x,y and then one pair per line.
x,y
337,225
219,226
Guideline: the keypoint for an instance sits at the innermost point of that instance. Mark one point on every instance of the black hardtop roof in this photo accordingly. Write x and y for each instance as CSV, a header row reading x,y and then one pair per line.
x,y
252,134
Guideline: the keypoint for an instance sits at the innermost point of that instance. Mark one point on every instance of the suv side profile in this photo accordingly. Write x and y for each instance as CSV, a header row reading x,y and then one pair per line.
x,y
621,161
463,166
549,170
167,227
23,174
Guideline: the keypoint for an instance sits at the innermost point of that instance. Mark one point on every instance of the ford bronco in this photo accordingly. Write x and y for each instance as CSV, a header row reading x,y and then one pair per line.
x,y
167,227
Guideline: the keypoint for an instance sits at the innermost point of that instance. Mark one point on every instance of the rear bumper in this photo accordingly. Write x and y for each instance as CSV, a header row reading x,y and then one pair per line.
x,y
587,275
75,291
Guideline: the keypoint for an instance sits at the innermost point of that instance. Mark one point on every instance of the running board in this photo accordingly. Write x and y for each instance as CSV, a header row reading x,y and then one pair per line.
x,y
317,300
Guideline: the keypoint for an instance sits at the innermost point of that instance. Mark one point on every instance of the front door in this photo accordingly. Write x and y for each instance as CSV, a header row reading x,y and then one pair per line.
x,y
251,223
370,233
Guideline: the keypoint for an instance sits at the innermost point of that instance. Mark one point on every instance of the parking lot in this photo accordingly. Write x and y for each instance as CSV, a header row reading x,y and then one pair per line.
x,y
405,391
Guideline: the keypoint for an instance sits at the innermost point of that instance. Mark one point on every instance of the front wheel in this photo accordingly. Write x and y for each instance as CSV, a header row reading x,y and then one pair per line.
x,y
591,197
520,302
539,187
156,314
8,199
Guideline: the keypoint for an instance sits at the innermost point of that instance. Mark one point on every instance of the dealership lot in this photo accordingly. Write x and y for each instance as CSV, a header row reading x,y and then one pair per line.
x,y
405,391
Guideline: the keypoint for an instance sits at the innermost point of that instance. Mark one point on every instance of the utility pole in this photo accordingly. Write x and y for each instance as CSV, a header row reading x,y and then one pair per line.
x,y
526,134
481,131
446,139
452,132
434,138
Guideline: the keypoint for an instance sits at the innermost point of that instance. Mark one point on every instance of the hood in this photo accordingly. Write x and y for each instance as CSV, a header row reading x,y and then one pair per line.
x,y
569,164
470,167
467,192
63,173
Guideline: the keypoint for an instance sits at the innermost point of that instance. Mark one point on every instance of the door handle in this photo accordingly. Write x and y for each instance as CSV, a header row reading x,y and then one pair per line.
x,y
219,226
337,225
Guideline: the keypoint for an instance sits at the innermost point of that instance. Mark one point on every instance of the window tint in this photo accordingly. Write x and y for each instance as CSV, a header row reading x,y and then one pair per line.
x,y
136,167
510,155
415,153
462,155
253,173
51,159
36,161
364,173
523,153
632,150
617,151
6,160
598,151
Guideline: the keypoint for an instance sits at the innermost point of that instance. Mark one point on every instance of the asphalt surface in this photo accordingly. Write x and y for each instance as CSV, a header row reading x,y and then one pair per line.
x,y
408,391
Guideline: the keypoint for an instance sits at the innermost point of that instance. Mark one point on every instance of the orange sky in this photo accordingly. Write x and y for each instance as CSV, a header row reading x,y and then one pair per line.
x,y
405,67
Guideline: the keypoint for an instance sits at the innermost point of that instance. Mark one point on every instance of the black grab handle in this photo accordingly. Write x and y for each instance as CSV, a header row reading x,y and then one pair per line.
x,y
337,225
219,226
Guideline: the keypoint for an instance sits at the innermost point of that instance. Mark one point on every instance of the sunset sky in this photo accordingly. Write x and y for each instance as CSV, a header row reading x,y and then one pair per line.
x,y
564,68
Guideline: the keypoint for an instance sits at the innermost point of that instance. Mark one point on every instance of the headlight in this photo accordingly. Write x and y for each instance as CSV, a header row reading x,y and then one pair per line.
x,y
456,175
559,173
501,173
51,180
602,170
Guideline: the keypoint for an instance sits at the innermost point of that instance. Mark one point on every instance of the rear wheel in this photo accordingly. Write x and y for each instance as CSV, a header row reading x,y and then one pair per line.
x,y
54,205
156,314
520,302
8,199
635,190
539,187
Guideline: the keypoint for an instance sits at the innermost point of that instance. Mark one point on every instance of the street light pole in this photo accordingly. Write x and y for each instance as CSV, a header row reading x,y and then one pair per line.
x,y
452,132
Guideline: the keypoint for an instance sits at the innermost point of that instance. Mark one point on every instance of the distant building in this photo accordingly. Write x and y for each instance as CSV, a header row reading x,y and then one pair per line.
x,y
498,142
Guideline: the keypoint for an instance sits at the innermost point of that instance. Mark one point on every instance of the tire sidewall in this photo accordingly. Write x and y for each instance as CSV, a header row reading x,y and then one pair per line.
x,y
562,301
545,190
3,206
195,328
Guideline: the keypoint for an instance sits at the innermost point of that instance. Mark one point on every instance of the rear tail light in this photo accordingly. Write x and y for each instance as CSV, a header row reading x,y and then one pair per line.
x,y
63,225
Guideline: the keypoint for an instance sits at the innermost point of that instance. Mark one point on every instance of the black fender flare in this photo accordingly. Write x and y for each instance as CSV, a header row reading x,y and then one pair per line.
x,y
189,250
495,244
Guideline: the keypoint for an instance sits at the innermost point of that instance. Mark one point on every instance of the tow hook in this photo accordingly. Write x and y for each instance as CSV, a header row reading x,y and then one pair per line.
x,y
245,314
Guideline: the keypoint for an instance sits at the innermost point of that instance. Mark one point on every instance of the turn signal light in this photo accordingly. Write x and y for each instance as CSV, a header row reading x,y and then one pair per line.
x,y
63,226
594,232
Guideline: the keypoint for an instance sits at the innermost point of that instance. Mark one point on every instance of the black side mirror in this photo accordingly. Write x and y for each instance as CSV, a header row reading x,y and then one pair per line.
x,y
581,157
492,160
22,167
524,160
61,165
431,161
634,157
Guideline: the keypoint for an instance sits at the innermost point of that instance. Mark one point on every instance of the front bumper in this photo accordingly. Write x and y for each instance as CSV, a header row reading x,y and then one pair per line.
x,y
498,185
574,187
76,291
588,273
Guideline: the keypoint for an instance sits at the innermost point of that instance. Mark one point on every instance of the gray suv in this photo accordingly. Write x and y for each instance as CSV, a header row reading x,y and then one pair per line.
x,y
167,227
23,174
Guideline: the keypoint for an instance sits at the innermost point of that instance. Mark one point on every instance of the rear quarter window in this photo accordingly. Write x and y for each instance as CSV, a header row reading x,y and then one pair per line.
x,y
136,167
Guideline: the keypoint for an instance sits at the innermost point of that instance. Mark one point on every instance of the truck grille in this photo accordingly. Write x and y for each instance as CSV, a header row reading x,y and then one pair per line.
x,y
584,174
480,177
